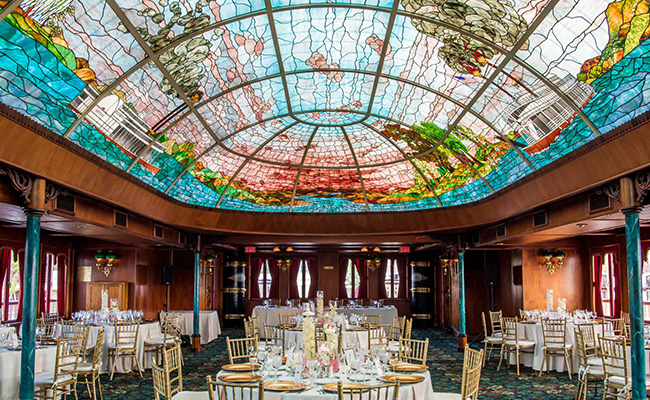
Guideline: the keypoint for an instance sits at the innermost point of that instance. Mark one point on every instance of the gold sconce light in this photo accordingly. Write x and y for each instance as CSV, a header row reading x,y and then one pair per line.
x,y
208,264
106,262
552,260
448,261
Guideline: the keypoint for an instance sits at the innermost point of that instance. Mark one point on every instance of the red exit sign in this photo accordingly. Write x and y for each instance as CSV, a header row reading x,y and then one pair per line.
x,y
250,249
404,249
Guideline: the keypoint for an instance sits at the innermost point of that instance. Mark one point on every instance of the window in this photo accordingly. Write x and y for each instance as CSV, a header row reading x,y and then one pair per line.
x,y
10,289
352,280
51,283
645,281
606,284
392,279
304,279
264,280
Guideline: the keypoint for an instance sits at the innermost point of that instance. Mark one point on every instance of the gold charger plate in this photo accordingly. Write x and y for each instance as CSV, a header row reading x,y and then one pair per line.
x,y
402,378
240,367
284,386
240,378
410,368
296,329
528,322
333,387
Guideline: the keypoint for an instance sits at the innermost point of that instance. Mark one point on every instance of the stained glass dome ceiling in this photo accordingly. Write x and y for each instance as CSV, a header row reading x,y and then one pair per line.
x,y
326,106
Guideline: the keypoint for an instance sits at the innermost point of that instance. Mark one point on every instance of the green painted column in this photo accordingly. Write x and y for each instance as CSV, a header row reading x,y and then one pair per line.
x,y
635,290
196,337
30,301
462,336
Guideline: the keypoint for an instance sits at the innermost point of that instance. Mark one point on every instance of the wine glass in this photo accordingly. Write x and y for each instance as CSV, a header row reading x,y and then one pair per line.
x,y
383,356
276,363
355,364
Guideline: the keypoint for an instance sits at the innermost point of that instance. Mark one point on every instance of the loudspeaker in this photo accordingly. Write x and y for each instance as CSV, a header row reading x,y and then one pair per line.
x,y
491,275
168,274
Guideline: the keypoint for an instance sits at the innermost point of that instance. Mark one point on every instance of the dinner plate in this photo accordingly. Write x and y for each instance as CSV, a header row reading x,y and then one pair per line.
x,y
240,378
334,387
240,367
359,377
284,386
403,379
296,329
409,368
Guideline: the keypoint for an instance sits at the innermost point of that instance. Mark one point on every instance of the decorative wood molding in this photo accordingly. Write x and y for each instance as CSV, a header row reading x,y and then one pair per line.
x,y
612,190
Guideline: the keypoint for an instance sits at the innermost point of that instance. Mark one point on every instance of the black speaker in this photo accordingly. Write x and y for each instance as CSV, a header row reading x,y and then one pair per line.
x,y
168,274
491,275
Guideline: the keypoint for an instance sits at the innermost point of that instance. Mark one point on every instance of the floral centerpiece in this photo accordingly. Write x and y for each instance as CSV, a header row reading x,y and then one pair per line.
x,y
308,335
319,305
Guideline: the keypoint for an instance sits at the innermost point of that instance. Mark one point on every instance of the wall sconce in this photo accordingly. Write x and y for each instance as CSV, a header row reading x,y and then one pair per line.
x,y
448,260
208,264
552,261
284,262
372,263
105,262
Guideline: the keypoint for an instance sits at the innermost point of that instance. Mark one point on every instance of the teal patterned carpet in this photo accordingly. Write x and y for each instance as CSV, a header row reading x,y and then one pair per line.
x,y
445,365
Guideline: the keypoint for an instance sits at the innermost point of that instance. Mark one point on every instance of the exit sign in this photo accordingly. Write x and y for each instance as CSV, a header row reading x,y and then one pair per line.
x,y
250,249
404,249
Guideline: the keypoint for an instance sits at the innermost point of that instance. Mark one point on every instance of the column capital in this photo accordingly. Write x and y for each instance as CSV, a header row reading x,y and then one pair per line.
x,y
36,212
631,210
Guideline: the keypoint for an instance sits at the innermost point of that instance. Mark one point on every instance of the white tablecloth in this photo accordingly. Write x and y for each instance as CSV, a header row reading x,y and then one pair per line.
x,y
418,391
534,359
10,369
271,316
209,327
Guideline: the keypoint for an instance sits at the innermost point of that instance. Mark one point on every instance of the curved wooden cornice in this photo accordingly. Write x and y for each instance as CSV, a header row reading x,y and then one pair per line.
x,y
34,149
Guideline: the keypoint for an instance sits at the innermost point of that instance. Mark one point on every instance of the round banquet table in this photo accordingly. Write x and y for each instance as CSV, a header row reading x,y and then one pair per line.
x,y
209,327
10,369
271,315
350,338
146,331
420,391
534,359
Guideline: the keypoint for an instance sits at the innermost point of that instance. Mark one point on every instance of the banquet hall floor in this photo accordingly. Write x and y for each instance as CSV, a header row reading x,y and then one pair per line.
x,y
445,365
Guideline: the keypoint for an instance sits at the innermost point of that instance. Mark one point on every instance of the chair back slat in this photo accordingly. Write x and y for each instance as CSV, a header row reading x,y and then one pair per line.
x,y
377,335
554,332
510,329
97,349
614,355
495,322
67,357
126,336
385,391
613,327
408,328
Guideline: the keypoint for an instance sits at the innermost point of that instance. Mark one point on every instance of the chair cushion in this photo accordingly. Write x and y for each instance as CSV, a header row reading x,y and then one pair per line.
x,y
596,371
393,347
620,381
497,334
558,346
159,341
595,361
522,343
48,379
191,396
82,367
447,396
492,339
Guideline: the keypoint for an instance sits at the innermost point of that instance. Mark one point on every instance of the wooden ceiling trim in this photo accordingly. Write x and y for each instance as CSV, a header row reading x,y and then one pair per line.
x,y
40,153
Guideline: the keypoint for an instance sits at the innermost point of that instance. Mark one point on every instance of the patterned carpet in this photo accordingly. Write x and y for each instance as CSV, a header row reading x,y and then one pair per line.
x,y
445,364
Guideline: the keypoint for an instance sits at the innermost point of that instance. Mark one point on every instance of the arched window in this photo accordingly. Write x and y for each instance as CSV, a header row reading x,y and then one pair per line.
x,y
352,280
392,279
51,283
304,279
10,286
264,279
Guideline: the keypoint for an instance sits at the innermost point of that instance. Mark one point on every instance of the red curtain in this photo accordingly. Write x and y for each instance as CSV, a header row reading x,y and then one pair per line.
x,y
403,281
293,278
362,293
256,266
382,277
343,270
62,260
274,292
312,264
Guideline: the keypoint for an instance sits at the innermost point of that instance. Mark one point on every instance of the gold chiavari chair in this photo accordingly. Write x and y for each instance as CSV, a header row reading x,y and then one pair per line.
x,y
397,327
125,346
555,344
70,329
626,323
285,320
88,372
64,379
255,324
234,391
248,328
471,373
274,336
385,391
408,329
613,327
47,327
377,335
170,328
413,351
240,350
511,342
491,342
618,383
168,379
588,332
495,323
372,319
588,371
319,335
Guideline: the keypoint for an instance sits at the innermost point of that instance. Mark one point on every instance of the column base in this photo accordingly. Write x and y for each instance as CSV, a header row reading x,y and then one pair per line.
x,y
462,342
196,343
